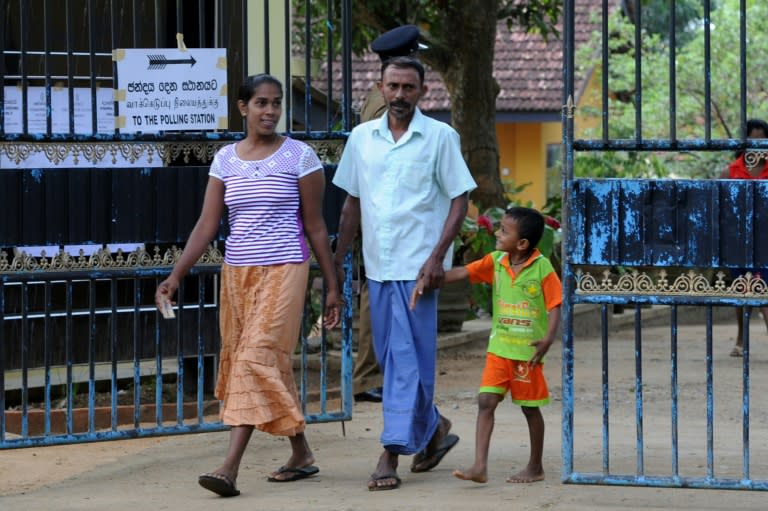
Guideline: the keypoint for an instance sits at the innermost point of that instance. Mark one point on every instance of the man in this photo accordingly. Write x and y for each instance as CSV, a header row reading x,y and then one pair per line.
x,y
366,376
408,184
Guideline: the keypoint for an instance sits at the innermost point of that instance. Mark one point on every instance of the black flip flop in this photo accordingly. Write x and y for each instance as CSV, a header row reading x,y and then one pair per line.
x,y
381,477
434,459
218,484
294,474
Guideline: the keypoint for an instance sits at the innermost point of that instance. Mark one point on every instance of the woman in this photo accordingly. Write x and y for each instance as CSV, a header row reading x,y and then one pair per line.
x,y
272,187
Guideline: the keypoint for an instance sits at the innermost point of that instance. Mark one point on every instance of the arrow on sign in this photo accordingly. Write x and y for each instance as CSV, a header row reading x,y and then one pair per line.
x,y
160,61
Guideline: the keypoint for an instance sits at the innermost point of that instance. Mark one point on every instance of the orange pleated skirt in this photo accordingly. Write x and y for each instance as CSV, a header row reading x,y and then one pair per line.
x,y
260,320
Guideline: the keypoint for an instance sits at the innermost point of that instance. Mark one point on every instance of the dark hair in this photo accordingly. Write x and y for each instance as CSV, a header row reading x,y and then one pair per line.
x,y
757,124
253,82
402,62
530,224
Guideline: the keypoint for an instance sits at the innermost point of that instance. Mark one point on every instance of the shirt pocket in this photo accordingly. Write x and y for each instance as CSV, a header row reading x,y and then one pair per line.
x,y
415,176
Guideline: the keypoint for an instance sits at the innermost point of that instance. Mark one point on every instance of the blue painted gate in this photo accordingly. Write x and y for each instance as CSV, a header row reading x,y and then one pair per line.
x,y
651,244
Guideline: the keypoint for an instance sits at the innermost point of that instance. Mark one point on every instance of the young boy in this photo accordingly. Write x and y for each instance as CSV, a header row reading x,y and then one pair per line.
x,y
526,313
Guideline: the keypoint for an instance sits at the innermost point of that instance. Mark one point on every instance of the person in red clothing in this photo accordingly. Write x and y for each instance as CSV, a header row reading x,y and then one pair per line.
x,y
741,168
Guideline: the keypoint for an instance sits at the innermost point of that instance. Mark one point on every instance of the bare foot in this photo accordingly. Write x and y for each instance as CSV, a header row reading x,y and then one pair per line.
x,y
527,475
477,476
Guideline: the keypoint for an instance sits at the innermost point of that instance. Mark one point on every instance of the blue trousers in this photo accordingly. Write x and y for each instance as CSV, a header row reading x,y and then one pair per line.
x,y
405,342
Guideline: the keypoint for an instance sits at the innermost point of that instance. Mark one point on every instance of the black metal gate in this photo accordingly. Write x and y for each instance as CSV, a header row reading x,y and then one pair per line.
x,y
93,214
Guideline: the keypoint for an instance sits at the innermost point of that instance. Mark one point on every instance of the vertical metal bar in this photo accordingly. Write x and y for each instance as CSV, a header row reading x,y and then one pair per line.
x,y
568,283
605,387
115,26
288,99
47,356
158,365
304,384
136,353
710,398
180,293
346,343
346,66
672,73
92,49
68,347
179,17
605,57
674,391
639,388
159,17
2,353
745,399
6,7
707,74
200,345
113,350
323,359
638,73
25,334
24,67
307,67
223,25
329,58
266,39
135,25
201,19
743,64
91,354
70,67
245,71
47,68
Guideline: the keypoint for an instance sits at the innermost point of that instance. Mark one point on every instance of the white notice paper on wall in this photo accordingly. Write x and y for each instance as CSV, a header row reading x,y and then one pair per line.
x,y
37,105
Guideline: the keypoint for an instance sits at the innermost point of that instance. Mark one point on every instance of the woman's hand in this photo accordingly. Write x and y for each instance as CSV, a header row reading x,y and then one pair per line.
x,y
332,313
164,294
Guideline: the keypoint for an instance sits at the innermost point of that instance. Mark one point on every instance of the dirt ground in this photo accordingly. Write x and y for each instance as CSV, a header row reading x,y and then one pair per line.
x,y
161,473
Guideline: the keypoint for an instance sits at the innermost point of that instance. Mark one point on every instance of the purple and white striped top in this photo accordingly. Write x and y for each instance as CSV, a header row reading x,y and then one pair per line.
x,y
262,196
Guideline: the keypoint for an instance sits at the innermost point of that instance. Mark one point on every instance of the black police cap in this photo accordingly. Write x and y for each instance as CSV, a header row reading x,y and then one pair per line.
x,y
398,42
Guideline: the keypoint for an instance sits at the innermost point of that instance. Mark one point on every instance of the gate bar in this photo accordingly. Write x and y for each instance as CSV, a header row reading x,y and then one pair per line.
x,y
639,389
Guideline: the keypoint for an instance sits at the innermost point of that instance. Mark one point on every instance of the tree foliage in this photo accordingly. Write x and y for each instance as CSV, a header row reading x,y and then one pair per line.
x,y
690,121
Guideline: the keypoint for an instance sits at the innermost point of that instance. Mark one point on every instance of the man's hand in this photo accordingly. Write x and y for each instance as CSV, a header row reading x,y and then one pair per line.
x,y
431,274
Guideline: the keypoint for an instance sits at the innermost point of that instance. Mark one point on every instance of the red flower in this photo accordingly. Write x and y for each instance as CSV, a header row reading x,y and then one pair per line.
x,y
551,222
484,221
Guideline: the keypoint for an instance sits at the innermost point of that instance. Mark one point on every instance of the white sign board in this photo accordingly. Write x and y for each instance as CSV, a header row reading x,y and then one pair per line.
x,y
166,89
37,106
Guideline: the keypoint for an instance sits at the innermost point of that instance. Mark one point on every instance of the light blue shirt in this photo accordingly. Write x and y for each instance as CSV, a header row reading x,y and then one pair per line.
x,y
405,190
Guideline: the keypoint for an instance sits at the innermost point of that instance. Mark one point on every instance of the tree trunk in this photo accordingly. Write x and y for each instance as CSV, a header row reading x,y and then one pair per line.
x,y
468,74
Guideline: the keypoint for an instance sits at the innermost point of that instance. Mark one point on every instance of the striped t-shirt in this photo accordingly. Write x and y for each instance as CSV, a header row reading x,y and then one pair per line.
x,y
262,197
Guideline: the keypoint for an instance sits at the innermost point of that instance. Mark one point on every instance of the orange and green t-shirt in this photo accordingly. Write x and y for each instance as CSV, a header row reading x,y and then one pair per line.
x,y
520,301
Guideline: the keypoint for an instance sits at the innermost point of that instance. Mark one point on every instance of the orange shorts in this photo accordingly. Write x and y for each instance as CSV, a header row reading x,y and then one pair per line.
x,y
527,385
